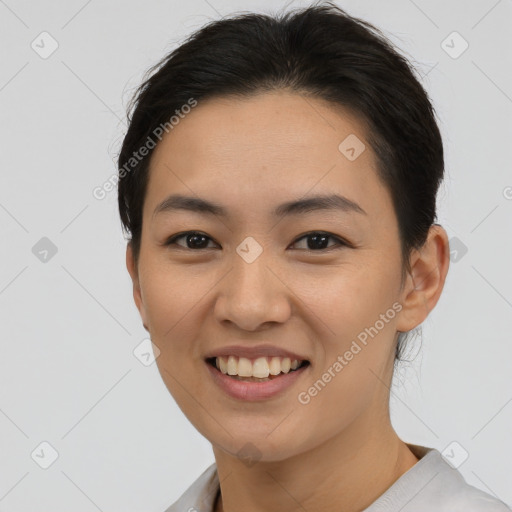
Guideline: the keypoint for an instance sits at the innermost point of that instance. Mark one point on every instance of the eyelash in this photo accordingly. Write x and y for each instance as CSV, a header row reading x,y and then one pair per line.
x,y
340,242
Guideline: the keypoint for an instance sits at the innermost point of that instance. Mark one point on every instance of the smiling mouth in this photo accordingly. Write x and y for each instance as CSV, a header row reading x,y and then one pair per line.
x,y
261,369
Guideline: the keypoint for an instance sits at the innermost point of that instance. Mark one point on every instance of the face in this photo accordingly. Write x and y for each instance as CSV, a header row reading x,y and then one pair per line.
x,y
320,283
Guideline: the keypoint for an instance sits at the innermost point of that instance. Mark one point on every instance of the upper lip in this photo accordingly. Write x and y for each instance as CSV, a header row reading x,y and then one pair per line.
x,y
254,352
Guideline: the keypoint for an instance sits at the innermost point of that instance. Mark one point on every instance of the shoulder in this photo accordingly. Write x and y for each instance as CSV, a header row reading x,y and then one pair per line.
x,y
432,484
457,495
200,496
467,498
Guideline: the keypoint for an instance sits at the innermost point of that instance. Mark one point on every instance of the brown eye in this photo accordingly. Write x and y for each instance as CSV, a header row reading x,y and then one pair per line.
x,y
318,240
193,240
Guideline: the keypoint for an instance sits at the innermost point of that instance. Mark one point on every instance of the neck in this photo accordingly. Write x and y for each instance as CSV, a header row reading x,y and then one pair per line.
x,y
350,470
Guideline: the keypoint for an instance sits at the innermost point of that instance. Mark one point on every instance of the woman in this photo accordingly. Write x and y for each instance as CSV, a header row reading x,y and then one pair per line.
x,y
278,184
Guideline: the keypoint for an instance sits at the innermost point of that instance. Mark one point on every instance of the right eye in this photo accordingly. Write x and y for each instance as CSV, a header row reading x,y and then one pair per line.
x,y
194,240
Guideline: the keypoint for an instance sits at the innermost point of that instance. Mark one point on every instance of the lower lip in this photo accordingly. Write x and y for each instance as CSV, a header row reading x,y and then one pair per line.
x,y
254,391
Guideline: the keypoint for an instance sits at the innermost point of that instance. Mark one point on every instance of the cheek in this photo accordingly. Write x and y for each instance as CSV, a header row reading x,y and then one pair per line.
x,y
173,304
171,296
338,398
349,299
356,305
352,375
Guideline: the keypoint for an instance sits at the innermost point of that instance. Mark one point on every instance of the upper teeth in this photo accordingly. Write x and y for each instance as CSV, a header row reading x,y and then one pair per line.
x,y
261,367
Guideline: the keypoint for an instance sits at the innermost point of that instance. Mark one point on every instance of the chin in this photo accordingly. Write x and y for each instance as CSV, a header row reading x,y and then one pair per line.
x,y
257,446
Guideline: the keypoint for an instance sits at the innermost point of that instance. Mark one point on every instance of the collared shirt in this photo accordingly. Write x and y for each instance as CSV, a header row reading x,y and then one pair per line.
x,y
431,485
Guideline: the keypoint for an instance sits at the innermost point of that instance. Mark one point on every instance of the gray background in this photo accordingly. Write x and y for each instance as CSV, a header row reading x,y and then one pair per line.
x,y
68,373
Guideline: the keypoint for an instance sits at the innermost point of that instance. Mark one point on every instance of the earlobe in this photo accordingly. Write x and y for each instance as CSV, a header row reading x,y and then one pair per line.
x,y
425,282
134,274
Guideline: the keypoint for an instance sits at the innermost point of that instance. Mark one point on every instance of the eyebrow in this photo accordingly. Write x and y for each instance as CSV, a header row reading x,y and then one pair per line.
x,y
330,202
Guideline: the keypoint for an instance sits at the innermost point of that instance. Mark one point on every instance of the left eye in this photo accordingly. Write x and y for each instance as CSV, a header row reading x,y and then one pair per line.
x,y
316,240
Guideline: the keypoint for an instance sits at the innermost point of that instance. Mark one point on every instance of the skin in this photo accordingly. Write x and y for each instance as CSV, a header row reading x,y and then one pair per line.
x,y
250,155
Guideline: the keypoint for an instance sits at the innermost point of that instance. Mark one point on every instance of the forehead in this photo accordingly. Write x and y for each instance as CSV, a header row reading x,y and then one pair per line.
x,y
252,151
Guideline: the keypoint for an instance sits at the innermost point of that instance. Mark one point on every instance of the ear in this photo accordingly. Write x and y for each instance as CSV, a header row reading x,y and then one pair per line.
x,y
425,282
131,265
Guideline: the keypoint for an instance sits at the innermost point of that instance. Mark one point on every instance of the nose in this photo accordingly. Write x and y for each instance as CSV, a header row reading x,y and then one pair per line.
x,y
252,295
